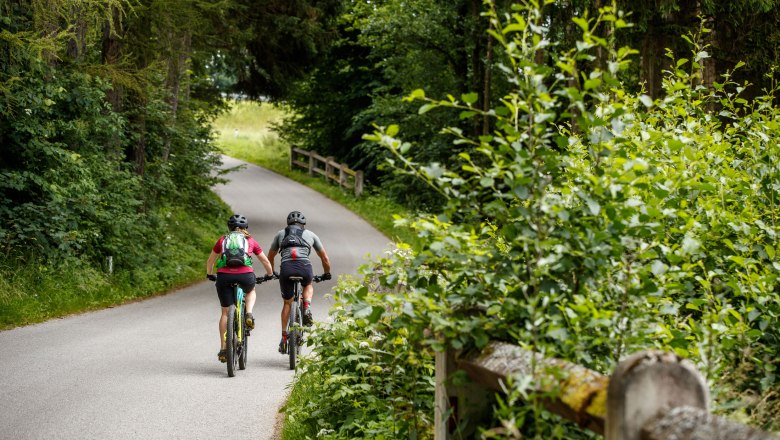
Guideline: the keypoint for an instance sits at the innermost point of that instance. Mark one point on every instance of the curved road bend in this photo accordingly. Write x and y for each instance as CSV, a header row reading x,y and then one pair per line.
x,y
149,370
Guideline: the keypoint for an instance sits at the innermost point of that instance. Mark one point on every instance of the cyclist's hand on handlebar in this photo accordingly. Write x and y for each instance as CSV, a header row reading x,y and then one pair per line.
x,y
211,277
264,278
323,277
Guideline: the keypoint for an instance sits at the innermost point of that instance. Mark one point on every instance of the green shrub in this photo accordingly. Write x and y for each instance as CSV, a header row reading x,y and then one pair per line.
x,y
372,374
593,223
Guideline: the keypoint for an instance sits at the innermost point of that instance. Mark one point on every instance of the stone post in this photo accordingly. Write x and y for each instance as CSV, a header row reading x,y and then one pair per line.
x,y
645,386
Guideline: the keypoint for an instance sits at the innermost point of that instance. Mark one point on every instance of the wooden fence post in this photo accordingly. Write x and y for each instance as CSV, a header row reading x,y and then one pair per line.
x,y
311,163
442,398
342,176
358,183
328,168
645,386
292,156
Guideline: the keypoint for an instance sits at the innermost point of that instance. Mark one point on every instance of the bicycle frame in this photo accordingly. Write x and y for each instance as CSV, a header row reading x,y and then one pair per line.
x,y
295,323
240,304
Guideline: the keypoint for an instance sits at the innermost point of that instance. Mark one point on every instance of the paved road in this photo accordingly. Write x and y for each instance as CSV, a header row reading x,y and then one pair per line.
x,y
149,370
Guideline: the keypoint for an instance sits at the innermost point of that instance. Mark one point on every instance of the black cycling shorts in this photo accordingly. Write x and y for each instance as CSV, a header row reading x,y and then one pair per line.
x,y
225,282
294,268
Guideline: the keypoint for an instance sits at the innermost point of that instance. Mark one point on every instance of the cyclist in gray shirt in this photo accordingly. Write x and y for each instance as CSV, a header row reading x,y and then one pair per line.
x,y
295,243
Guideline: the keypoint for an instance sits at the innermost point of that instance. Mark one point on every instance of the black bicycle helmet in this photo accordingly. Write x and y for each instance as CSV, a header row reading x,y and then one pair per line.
x,y
296,217
237,221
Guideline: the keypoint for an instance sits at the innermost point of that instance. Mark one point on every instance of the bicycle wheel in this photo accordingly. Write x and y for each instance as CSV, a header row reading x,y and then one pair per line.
x,y
232,341
299,333
292,333
244,345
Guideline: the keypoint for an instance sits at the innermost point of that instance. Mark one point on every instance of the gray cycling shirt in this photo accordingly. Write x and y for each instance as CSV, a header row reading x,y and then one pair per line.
x,y
296,253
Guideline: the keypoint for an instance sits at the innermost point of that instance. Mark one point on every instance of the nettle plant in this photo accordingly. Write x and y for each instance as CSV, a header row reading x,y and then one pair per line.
x,y
593,222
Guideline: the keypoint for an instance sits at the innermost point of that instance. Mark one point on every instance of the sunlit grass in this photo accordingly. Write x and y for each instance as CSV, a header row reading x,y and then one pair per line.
x,y
246,132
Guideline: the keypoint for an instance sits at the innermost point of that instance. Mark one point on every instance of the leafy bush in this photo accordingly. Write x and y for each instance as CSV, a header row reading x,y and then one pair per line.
x,y
39,290
593,223
372,375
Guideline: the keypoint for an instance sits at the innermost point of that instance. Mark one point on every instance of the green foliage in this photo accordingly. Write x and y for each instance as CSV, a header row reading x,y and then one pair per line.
x,y
384,51
372,373
62,195
593,222
88,172
41,290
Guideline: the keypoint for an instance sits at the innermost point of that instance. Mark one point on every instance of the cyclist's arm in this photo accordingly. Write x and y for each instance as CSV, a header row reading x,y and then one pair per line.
x,y
269,268
210,263
325,260
271,255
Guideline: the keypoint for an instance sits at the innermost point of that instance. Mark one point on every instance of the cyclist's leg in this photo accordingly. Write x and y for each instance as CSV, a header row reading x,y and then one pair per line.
x,y
286,313
225,293
250,298
307,273
286,289
223,327
308,292
247,283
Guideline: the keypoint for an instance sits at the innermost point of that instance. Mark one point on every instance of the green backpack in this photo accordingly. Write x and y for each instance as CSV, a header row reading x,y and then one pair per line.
x,y
235,251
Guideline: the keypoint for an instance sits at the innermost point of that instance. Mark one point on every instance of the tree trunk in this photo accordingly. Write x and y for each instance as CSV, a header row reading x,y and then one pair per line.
x,y
112,53
177,66
477,73
653,44
77,44
710,73
487,78
46,23
139,148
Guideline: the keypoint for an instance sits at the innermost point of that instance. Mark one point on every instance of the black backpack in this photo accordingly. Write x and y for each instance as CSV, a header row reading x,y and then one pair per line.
x,y
293,237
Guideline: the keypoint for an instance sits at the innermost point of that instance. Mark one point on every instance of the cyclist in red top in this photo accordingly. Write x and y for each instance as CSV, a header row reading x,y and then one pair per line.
x,y
244,275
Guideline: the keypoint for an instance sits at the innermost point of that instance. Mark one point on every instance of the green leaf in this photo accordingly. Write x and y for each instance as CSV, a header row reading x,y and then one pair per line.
x,y
486,182
470,98
592,83
582,23
426,108
417,94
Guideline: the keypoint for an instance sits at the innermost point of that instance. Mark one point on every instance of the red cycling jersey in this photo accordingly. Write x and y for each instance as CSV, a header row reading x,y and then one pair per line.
x,y
254,249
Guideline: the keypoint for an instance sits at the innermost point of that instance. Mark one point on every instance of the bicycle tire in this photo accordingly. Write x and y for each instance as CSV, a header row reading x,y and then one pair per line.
x,y
299,333
231,342
292,338
244,346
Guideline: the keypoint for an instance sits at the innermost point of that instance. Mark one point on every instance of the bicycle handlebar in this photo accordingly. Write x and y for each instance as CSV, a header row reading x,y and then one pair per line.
x,y
320,278
264,278
275,276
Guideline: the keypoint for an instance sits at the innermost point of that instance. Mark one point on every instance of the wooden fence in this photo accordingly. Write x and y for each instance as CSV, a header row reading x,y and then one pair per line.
x,y
651,395
326,166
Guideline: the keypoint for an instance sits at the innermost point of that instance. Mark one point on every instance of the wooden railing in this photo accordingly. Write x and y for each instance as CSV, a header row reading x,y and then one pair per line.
x,y
326,166
651,395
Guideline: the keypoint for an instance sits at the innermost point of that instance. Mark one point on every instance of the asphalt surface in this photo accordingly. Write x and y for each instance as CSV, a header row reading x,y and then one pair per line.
x,y
149,370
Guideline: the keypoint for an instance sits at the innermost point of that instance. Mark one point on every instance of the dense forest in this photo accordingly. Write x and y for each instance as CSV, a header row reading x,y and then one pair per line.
x,y
106,149
593,178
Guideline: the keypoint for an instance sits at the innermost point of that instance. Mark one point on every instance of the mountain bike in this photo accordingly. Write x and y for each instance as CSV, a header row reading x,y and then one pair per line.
x,y
295,321
237,334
